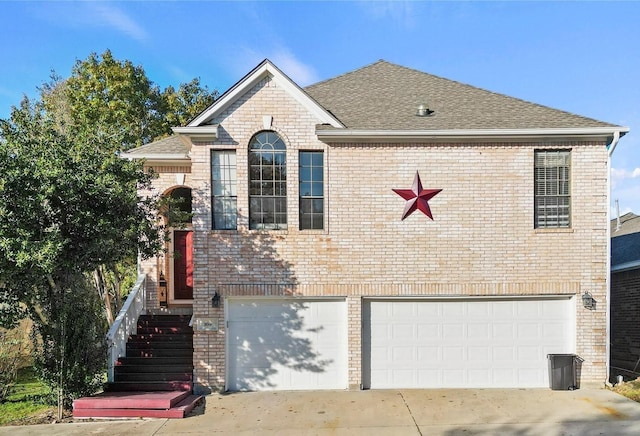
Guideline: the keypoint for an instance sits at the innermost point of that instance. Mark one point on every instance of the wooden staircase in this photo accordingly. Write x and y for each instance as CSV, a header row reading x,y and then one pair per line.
x,y
154,379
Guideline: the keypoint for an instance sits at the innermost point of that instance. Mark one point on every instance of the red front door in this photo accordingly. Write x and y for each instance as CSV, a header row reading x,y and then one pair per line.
x,y
183,265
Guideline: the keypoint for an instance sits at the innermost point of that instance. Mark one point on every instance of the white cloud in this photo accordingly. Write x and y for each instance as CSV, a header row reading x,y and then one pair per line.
x,y
110,16
619,175
397,11
246,58
300,73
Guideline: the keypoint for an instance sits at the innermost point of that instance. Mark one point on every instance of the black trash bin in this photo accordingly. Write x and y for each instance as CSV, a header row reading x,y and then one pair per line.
x,y
563,371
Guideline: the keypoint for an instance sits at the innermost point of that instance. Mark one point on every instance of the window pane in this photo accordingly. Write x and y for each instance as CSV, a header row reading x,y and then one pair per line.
x,y
223,189
305,159
317,175
552,188
317,159
318,205
316,190
311,190
267,181
305,174
305,189
305,206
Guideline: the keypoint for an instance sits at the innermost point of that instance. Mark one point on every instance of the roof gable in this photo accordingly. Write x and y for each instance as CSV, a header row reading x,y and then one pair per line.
x,y
264,69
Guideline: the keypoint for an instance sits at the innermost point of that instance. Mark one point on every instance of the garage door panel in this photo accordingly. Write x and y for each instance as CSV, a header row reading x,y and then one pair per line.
x,y
453,331
478,330
429,354
524,310
430,311
479,354
280,344
480,310
452,309
503,330
464,343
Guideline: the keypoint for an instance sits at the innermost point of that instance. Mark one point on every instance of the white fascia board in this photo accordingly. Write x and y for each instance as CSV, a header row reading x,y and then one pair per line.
x,y
208,131
249,81
174,157
343,135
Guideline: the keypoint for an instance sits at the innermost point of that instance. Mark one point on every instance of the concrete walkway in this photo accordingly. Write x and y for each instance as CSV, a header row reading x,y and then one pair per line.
x,y
393,412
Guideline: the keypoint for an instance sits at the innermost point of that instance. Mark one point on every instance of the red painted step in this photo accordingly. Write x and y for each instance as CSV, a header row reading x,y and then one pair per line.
x,y
131,400
180,410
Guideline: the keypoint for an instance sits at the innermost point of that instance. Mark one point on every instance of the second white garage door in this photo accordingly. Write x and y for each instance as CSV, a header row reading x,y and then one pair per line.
x,y
479,343
286,344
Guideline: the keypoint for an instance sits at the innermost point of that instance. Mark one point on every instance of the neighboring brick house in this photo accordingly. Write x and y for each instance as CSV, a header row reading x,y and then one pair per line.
x,y
625,296
323,285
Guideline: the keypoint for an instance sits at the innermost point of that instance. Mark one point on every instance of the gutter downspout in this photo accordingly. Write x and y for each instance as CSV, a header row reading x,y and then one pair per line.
x,y
610,149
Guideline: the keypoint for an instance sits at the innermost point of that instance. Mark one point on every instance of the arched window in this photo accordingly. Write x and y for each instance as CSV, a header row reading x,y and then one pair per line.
x,y
179,210
267,182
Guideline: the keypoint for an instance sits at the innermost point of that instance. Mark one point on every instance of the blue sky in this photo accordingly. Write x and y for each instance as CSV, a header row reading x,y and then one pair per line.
x,y
582,57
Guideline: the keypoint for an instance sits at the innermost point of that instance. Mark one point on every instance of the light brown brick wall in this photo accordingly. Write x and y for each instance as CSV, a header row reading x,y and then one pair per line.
x,y
481,241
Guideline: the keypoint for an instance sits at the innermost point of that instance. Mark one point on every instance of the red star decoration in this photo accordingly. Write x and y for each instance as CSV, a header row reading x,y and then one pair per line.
x,y
417,198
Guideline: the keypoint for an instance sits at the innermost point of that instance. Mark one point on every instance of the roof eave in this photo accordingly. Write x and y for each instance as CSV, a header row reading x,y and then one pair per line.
x,y
208,132
371,135
165,158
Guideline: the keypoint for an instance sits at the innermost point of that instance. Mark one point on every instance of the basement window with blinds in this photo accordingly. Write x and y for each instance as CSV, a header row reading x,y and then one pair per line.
x,y
552,189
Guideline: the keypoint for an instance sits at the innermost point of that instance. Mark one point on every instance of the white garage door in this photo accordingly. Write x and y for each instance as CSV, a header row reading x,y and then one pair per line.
x,y
286,344
464,343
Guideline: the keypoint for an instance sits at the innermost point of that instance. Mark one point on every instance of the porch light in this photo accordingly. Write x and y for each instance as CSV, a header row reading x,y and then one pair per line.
x,y
588,301
215,301
423,110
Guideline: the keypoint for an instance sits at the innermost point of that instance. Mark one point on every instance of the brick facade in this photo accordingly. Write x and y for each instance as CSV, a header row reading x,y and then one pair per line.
x,y
482,241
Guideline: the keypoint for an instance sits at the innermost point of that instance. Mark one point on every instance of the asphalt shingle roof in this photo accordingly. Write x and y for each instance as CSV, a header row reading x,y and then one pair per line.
x,y
629,223
171,145
385,96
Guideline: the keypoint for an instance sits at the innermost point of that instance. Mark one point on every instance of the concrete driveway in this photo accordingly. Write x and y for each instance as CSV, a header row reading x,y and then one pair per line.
x,y
392,412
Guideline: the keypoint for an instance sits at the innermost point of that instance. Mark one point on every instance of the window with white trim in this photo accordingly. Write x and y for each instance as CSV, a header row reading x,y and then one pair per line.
x,y
311,190
267,182
552,176
224,198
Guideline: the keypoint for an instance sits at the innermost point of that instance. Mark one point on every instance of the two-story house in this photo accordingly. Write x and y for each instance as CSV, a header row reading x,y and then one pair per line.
x,y
386,228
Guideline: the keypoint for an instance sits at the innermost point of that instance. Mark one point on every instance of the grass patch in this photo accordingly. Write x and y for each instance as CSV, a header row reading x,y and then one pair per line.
x,y
630,389
29,397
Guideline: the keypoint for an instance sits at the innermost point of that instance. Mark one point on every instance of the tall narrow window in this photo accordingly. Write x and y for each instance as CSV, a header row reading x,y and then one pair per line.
x,y
223,189
552,188
311,190
267,182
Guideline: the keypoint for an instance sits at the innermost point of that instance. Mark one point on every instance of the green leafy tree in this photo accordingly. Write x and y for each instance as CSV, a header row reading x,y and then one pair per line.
x,y
187,102
114,103
110,105
70,350
70,215
65,211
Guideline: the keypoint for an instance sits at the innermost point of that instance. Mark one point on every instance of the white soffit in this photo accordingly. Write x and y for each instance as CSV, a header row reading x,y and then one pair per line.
x,y
266,68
